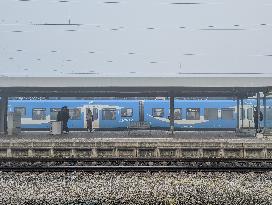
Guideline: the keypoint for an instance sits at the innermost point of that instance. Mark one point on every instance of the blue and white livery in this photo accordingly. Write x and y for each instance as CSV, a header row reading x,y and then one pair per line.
x,y
116,114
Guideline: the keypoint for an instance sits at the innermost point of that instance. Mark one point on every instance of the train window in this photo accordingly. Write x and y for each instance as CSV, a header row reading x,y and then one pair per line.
x,y
39,114
249,113
95,114
242,112
54,113
126,112
75,114
211,114
157,112
177,113
227,113
109,114
269,113
193,114
20,110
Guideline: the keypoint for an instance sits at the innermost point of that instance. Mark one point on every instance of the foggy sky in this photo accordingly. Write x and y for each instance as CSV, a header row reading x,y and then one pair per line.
x,y
134,37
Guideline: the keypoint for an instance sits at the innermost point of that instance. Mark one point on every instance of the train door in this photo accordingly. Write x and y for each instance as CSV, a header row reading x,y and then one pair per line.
x,y
95,112
247,114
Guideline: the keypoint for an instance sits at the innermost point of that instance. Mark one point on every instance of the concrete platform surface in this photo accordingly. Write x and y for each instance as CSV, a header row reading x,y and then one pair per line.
x,y
132,137
139,144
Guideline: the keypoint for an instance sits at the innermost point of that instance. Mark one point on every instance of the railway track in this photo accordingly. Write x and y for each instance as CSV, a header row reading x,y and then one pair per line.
x,y
134,164
132,169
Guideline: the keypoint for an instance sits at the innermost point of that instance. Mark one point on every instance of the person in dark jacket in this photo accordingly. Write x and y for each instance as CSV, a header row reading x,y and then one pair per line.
x,y
257,117
89,120
65,117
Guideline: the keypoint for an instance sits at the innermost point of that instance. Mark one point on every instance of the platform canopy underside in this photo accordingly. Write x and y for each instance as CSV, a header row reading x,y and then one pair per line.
x,y
136,87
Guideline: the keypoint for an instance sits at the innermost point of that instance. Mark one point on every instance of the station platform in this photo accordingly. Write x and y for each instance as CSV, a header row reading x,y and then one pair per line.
x,y
158,144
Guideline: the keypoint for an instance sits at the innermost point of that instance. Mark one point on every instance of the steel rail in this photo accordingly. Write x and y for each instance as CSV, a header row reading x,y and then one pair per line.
x,y
127,159
132,169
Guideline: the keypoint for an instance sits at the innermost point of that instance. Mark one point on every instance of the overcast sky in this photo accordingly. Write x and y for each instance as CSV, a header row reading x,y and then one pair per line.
x,y
134,37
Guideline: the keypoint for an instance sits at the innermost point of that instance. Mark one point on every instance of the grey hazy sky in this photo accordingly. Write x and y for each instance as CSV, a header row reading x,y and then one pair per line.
x,y
134,37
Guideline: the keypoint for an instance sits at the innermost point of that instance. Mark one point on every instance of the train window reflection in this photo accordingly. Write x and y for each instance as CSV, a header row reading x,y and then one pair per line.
x,y
126,112
109,114
242,114
249,113
157,112
20,110
268,113
211,114
75,114
227,113
39,114
54,113
95,114
193,114
177,113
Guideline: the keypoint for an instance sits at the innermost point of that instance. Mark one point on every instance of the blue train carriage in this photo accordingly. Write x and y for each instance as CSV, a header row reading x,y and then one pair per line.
x,y
107,114
113,114
116,114
36,114
248,111
198,114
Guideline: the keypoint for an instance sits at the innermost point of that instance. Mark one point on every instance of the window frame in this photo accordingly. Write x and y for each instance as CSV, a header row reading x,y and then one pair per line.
x,y
197,111
95,113
24,114
33,109
51,112
206,117
242,112
77,117
268,114
249,113
153,111
180,118
227,109
127,108
112,109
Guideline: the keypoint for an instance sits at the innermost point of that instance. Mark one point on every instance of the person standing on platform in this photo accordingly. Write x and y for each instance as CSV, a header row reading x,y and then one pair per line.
x,y
65,117
89,120
257,117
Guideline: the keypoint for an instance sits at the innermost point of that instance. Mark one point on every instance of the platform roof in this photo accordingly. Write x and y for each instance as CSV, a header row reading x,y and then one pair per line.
x,y
189,85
